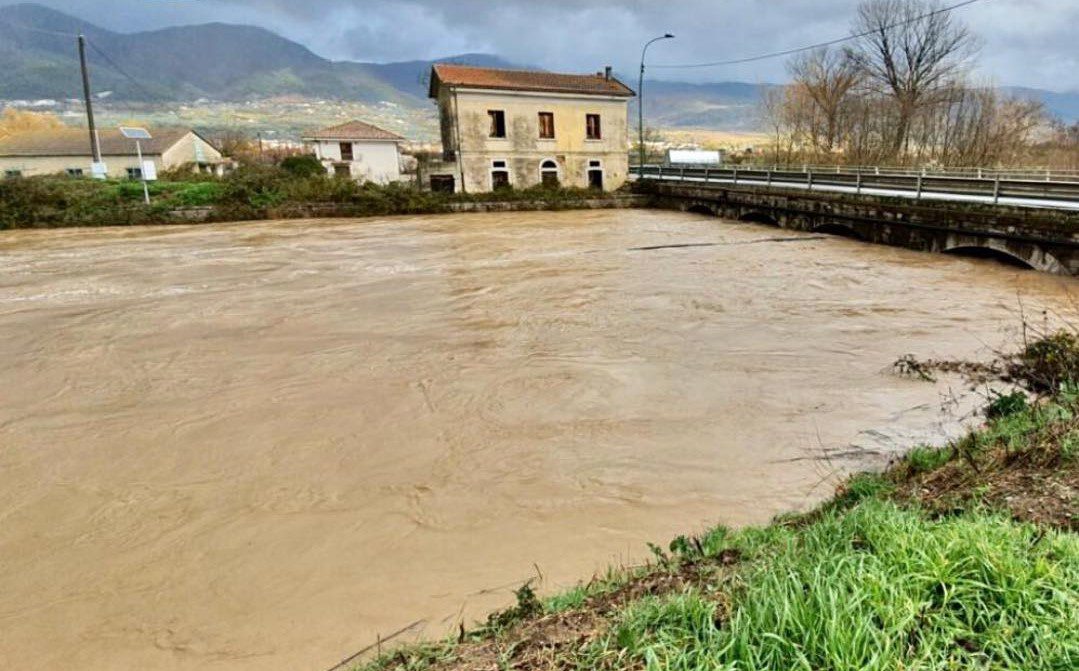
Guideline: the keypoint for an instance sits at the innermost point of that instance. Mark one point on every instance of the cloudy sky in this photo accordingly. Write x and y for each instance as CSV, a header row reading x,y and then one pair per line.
x,y
1024,42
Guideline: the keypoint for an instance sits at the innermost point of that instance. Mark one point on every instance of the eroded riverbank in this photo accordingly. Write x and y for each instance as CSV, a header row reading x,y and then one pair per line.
x,y
260,445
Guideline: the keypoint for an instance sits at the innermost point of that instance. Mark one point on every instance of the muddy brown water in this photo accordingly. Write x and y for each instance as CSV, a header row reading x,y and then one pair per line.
x,y
260,446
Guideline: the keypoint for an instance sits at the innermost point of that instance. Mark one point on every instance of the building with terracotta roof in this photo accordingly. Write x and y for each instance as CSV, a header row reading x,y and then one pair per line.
x,y
357,150
67,150
522,128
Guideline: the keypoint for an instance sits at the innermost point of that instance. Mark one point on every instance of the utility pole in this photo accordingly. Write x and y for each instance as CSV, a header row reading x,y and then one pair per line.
x,y
95,147
640,105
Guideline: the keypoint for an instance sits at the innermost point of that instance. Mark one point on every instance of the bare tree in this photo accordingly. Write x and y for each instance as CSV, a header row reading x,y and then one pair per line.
x,y
774,114
827,77
911,50
903,96
793,118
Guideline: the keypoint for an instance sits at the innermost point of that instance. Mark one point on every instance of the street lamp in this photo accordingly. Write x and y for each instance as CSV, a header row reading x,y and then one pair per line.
x,y
640,104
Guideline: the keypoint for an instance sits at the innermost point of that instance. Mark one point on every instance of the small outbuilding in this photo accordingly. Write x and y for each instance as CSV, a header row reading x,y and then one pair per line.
x,y
357,150
67,151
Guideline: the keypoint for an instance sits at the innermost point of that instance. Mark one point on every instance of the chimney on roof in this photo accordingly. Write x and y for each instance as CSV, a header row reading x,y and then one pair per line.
x,y
607,73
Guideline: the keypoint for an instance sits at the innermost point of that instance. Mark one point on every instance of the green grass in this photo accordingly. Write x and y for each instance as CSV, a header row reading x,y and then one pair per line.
x,y
1069,447
860,487
177,194
925,459
672,632
568,600
877,587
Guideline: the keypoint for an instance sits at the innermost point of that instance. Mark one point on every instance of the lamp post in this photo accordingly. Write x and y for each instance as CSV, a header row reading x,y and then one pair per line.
x,y
640,104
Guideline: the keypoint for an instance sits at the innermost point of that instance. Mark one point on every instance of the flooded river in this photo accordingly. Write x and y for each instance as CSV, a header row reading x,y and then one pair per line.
x,y
259,446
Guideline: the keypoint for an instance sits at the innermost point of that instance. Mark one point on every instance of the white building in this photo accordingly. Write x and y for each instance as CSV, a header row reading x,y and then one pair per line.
x,y
357,150
67,151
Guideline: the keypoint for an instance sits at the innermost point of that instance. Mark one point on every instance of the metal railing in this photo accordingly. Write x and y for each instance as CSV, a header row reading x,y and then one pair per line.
x,y
1018,173
988,186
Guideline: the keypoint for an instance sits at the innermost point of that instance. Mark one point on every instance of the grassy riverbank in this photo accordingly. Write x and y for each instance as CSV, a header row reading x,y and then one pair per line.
x,y
964,557
252,192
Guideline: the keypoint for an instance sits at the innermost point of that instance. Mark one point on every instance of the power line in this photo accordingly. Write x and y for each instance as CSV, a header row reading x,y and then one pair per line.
x,y
43,32
819,45
99,51
119,69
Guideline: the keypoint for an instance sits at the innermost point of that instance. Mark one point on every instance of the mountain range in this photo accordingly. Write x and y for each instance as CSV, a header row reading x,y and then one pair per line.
x,y
39,60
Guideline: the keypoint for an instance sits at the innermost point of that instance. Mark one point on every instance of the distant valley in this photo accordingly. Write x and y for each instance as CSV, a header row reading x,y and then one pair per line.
x,y
236,73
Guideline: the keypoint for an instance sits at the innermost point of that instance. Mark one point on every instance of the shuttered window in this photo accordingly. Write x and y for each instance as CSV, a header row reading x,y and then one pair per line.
x,y
592,129
498,123
546,125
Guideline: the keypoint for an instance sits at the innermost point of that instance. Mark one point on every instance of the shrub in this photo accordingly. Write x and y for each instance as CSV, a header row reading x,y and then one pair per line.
x,y
256,186
1046,364
305,165
1003,405
187,172
48,202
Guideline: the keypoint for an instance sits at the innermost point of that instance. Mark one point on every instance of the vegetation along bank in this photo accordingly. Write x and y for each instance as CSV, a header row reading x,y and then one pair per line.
x,y
961,557
293,189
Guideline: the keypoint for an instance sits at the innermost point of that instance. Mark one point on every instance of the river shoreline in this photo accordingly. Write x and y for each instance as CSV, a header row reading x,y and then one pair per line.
x,y
1000,506
345,210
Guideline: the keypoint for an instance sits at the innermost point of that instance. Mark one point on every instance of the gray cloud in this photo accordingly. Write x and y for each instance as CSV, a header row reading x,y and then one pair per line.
x,y
1025,42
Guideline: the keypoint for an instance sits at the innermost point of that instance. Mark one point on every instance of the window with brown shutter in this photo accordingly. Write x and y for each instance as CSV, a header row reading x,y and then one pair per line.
x,y
592,128
498,123
546,125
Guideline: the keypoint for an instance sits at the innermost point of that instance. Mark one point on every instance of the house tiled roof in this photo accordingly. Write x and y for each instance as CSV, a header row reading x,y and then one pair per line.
x,y
76,142
353,130
465,76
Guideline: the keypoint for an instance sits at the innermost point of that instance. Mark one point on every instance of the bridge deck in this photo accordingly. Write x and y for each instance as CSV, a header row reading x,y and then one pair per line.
x,y
1013,193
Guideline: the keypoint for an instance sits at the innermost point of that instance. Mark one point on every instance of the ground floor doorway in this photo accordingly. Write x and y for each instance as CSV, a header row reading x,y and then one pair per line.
x,y
595,178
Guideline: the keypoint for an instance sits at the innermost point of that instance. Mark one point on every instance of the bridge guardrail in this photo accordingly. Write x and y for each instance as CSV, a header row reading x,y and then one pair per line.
x,y
991,189
1021,173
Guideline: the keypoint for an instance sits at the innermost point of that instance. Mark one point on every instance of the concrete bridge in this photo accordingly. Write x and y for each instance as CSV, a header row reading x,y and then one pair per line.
x,y
1045,240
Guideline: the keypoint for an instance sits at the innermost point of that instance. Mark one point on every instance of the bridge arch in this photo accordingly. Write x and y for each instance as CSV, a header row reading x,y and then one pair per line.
x,y
698,208
998,250
838,229
757,217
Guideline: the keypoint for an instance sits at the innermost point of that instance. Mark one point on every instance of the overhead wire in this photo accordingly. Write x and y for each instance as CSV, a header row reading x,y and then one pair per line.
x,y
123,72
43,31
100,52
811,47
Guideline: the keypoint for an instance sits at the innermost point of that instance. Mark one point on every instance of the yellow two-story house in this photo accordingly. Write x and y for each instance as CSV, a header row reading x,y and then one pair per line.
x,y
521,128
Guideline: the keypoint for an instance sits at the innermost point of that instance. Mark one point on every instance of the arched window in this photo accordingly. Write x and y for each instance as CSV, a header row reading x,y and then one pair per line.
x,y
549,173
